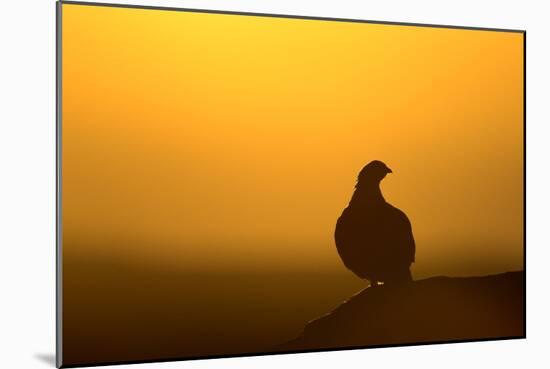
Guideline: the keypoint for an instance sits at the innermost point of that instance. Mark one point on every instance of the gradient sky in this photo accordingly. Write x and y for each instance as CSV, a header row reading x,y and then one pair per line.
x,y
211,141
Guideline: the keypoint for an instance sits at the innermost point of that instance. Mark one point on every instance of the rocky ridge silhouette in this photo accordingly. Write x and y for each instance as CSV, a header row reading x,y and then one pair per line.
x,y
438,309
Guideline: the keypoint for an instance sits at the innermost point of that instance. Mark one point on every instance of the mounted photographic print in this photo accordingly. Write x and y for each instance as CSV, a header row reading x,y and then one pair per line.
x,y
240,184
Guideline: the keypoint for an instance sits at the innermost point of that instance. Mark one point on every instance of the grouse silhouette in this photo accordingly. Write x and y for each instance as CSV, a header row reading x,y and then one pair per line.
x,y
374,239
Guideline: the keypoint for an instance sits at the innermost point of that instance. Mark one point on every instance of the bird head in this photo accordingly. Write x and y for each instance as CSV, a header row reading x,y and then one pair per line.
x,y
373,173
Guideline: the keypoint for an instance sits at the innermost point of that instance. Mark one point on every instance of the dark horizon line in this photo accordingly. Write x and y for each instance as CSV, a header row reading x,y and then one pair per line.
x,y
288,16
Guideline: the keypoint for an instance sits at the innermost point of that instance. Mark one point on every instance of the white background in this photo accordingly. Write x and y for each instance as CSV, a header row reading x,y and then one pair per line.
x,y
27,202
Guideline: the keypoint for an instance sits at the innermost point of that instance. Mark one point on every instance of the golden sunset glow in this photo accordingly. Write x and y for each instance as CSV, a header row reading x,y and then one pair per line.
x,y
201,141
207,157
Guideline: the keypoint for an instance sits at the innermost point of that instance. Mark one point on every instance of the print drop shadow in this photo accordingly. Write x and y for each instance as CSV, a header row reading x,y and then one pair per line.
x,y
48,359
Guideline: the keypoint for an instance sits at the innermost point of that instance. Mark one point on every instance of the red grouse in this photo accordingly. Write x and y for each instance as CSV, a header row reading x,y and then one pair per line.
x,y
373,238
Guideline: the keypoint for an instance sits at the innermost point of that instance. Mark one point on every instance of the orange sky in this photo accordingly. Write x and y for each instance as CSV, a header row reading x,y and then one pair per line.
x,y
221,141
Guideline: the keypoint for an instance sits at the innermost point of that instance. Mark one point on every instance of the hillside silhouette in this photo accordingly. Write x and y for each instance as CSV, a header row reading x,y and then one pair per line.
x,y
436,309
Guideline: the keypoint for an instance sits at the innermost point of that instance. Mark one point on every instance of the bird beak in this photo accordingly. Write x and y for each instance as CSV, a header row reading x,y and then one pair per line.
x,y
389,170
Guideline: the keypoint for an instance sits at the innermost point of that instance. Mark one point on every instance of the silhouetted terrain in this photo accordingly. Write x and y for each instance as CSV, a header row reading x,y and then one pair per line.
x,y
433,309
118,311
